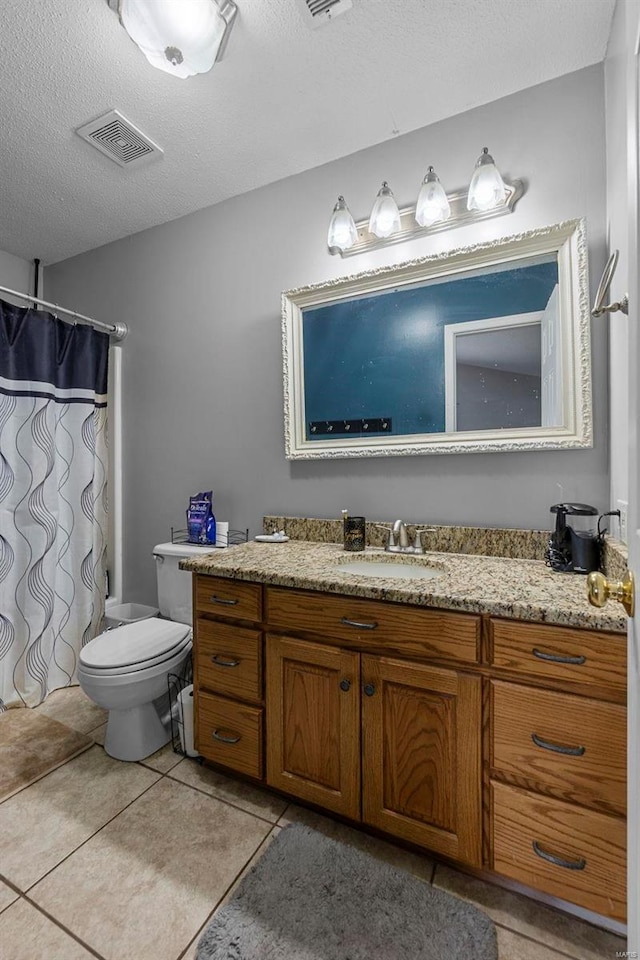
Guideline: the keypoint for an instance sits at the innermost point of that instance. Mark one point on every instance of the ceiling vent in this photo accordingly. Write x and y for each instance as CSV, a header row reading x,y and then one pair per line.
x,y
120,140
317,13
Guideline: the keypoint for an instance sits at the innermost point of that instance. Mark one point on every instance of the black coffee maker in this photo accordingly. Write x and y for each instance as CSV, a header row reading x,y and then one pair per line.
x,y
574,547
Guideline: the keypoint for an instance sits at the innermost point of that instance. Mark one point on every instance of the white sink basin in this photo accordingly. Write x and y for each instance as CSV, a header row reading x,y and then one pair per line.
x,y
390,571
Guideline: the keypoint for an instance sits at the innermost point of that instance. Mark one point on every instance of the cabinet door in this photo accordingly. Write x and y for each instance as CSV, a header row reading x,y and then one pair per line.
x,y
421,729
313,723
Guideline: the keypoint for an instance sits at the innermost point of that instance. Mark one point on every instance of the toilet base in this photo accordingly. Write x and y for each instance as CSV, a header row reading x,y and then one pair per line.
x,y
135,733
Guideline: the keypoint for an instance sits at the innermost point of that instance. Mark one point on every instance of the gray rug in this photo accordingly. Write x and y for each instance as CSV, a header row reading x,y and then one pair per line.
x,y
314,898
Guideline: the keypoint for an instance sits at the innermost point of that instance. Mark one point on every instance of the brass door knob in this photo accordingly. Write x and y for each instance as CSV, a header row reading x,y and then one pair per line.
x,y
599,590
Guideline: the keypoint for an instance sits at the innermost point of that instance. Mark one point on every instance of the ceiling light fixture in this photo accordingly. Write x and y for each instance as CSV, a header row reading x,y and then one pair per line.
x,y
488,195
181,37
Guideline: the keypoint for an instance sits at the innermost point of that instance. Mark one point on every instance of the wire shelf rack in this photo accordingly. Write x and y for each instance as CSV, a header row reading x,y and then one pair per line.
x,y
180,736
234,538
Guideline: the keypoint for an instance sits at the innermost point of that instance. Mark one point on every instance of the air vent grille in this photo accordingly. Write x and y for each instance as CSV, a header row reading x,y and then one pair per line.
x,y
120,140
320,12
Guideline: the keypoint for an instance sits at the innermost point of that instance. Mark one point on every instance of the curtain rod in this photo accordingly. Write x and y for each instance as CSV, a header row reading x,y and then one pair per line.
x,y
117,330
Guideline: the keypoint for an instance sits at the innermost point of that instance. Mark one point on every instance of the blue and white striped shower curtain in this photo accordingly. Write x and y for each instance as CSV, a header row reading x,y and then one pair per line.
x,y
53,506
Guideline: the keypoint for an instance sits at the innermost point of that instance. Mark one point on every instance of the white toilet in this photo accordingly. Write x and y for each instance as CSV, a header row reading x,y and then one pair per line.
x,y
125,669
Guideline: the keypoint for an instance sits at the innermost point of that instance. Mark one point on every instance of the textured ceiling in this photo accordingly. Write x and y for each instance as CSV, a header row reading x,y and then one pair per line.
x,y
285,98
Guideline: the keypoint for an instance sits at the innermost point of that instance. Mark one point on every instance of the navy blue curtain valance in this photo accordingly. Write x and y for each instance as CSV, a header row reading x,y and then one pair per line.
x,y
35,346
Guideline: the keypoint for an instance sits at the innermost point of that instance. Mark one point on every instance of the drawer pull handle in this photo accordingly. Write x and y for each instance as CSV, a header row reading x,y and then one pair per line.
x,y
221,737
558,861
345,685
369,689
360,626
557,747
557,658
221,662
226,603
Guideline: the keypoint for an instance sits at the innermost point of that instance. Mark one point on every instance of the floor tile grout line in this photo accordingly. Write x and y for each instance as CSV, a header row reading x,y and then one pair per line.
x,y
61,926
10,884
94,834
12,887
62,763
289,804
539,943
198,932
235,806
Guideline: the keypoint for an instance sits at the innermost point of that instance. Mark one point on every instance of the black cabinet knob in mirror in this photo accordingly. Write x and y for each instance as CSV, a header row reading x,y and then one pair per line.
x,y
369,689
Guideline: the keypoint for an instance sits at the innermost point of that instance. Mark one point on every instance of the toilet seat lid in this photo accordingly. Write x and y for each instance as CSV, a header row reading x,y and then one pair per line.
x,y
134,644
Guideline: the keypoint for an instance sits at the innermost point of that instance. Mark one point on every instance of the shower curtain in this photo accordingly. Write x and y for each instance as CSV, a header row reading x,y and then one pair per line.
x,y
53,473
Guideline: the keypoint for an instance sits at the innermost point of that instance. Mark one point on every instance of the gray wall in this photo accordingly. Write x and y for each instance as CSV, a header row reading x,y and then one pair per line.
x,y
17,274
202,364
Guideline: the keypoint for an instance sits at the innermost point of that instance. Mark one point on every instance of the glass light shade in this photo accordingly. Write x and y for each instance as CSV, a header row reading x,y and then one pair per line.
x,y
181,37
487,189
342,228
432,206
385,216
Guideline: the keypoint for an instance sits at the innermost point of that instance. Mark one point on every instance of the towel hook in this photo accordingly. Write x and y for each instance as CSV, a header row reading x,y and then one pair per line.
x,y
599,306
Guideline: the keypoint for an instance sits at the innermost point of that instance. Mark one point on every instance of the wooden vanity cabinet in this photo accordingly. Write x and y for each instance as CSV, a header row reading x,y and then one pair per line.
x,y
421,755
557,762
228,674
401,718
413,727
313,721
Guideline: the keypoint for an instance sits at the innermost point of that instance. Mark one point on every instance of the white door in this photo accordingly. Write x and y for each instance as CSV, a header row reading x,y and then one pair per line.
x,y
551,372
634,513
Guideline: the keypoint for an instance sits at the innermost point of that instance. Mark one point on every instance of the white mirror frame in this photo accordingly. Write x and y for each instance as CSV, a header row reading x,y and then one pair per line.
x,y
567,240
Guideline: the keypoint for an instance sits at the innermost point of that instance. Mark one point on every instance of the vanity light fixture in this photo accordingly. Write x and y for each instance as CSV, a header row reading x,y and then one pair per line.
x,y
342,229
432,206
385,216
486,189
488,195
181,37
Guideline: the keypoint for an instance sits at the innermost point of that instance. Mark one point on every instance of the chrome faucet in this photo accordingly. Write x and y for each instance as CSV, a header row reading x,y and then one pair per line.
x,y
399,530
399,539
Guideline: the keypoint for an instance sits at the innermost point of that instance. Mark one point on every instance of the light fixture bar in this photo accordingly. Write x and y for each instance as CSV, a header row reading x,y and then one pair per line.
x,y
410,230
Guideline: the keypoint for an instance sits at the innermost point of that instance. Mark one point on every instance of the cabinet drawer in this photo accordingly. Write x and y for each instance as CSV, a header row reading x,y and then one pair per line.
x,y
411,631
230,733
572,747
560,653
229,659
580,854
230,598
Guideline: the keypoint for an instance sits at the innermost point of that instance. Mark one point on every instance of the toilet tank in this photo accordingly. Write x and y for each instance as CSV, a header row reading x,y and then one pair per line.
x,y
174,585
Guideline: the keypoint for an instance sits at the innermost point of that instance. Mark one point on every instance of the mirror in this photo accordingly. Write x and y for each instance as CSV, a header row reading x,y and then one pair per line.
x,y
485,348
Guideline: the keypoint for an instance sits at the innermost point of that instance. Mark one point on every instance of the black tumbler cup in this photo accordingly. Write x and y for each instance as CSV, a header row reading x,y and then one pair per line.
x,y
354,533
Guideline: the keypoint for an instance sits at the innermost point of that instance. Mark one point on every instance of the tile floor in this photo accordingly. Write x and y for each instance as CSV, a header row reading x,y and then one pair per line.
x,y
124,861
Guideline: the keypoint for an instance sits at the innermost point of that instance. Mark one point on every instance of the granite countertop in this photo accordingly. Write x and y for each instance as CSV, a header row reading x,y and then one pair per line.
x,y
501,586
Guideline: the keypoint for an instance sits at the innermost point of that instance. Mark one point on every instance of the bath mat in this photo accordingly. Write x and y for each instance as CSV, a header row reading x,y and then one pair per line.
x,y
32,744
314,898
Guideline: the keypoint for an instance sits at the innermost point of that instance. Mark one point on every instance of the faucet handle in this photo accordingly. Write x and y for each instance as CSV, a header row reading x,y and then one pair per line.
x,y
417,543
391,541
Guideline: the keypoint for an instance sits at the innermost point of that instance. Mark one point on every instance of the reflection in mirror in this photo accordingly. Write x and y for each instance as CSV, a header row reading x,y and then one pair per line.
x,y
504,372
484,348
